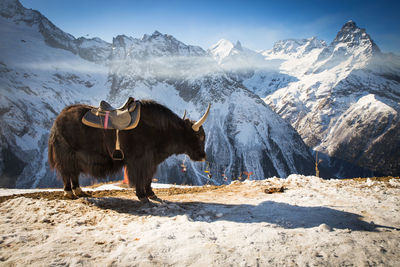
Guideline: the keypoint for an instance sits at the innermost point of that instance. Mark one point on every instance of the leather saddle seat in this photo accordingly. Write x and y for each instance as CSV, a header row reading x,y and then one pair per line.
x,y
106,116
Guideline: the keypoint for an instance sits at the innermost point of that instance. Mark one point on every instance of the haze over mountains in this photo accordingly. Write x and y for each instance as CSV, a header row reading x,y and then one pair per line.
x,y
269,108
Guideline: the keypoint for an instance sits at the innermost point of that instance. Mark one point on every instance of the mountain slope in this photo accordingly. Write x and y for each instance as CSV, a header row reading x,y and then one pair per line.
x,y
36,82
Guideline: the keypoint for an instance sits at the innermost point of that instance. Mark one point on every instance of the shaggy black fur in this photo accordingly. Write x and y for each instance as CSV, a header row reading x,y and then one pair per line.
x,y
75,148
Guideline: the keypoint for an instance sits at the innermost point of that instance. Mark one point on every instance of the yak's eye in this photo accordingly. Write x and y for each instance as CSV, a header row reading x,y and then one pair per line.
x,y
201,138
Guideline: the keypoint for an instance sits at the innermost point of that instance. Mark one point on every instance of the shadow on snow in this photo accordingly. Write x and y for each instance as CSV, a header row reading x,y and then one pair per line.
x,y
281,214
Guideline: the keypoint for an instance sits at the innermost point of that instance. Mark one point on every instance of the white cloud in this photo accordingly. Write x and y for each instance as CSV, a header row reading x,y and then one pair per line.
x,y
77,66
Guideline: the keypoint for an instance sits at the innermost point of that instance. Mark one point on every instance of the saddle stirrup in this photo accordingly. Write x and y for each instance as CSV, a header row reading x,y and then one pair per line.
x,y
117,153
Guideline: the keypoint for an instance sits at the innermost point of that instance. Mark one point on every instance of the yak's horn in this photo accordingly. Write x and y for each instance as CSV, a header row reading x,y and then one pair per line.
x,y
184,115
200,122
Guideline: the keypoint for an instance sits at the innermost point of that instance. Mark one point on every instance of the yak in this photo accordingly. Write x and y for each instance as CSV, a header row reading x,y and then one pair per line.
x,y
75,148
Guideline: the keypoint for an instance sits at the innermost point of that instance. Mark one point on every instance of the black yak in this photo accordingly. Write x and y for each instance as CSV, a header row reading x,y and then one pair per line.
x,y
75,148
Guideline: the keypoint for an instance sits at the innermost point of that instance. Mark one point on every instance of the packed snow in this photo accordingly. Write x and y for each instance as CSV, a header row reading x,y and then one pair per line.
x,y
312,222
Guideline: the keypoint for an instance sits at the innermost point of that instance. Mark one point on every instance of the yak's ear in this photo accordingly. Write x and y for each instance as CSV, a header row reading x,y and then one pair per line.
x,y
202,138
188,123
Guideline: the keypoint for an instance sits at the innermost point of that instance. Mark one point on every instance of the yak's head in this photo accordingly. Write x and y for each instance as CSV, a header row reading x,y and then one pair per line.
x,y
196,137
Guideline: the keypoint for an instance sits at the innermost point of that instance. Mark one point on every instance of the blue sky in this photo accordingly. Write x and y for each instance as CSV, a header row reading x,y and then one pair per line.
x,y
257,24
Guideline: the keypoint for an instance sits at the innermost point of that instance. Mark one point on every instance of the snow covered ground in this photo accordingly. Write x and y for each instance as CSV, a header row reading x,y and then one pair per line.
x,y
312,222
109,186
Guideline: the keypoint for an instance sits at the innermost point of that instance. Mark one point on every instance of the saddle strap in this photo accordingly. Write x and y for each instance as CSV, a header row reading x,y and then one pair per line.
x,y
117,145
106,121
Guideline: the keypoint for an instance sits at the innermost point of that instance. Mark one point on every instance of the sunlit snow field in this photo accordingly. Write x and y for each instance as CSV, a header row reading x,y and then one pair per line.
x,y
312,222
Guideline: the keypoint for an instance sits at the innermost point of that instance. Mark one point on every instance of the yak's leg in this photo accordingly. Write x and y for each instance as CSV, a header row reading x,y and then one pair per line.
x,y
149,177
151,194
76,188
141,193
135,176
149,191
67,186
147,184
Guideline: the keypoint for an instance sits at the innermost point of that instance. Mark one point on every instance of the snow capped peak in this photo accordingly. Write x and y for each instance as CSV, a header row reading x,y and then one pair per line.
x,y
222,45
221,49
9,7
351,49
288,46
155,45
353,36
238,46
350,24
121,40
14,10
314,42
156,33
224,48
237,58
295,48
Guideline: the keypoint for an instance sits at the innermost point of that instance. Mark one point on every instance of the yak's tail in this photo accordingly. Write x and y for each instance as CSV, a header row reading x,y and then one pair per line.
x,y
51,152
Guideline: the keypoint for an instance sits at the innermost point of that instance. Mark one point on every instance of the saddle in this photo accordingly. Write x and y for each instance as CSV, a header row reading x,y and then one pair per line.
x,y
107,117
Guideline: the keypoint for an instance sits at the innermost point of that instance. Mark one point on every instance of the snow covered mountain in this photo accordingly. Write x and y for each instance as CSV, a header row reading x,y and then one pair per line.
x,y
250,68
343,98
39,75
243,134
43,69
345,102
294,48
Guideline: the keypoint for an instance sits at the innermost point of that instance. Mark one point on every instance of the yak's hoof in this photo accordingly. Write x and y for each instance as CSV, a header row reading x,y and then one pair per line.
x,y
69,195
79,193
144,200
156,198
